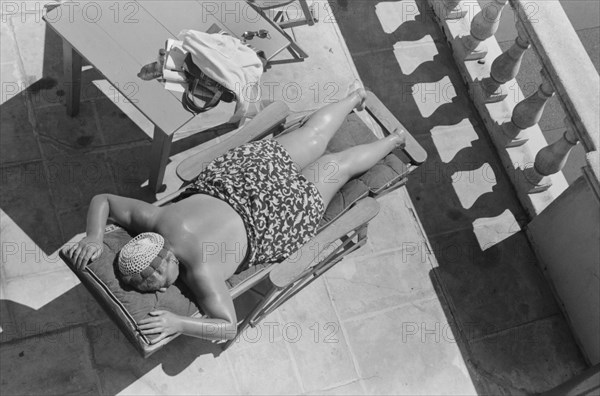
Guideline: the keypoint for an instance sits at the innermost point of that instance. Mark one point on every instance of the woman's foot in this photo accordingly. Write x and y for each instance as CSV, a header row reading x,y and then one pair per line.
x,y
399,137
356,89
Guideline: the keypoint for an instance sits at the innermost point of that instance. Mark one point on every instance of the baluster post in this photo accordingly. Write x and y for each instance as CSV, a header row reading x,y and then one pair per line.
x,y
528,112
505,68
484,25
452,9
551,159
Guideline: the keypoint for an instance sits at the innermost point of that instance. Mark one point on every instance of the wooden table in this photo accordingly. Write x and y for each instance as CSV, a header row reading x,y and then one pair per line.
x,y
118,38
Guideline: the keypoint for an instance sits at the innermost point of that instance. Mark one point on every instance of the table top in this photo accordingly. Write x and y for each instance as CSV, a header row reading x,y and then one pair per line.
x,y
119,38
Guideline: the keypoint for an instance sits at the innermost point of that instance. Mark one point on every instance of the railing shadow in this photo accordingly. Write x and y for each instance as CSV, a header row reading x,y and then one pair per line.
x,y
462,196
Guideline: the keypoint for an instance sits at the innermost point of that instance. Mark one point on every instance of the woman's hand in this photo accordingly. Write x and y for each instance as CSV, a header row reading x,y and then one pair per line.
x,y
84,252
164,323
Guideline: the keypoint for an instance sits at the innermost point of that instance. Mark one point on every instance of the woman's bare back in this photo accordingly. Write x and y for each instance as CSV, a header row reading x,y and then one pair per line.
x,y
204,230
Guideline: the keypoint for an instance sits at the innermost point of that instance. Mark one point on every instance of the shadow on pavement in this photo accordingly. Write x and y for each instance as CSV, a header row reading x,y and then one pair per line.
x,y
503,317
55,348
53,164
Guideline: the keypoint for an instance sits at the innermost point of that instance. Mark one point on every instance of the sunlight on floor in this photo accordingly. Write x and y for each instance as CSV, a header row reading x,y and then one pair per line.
x,y
470,184
491,231
394,13
430,96
26,267
409,62
449,144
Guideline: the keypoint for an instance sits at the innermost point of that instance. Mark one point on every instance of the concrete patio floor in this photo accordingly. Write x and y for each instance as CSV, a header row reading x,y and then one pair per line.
x,y
445,298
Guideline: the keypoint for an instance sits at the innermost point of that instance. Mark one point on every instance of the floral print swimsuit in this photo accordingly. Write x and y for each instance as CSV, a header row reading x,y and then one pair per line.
x,y
280,208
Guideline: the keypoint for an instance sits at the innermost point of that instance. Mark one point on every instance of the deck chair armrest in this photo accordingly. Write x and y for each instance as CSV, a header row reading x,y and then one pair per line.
x,y
291,269
268,4
169,198
264,123
415,153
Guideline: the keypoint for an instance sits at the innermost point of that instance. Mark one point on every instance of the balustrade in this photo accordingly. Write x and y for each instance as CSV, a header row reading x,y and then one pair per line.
x,y
528,112
564,227
551,159
505,68
484,25
451,9
566,71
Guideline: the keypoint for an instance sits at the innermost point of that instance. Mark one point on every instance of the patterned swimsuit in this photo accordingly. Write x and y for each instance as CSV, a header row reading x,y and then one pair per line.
x,y
280,209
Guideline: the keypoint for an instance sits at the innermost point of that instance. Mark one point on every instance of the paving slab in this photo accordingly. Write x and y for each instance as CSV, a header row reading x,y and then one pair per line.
x,y
267,332
21,256
315,339
390,229
41,54
73,223
8,45
491,279
10,78
426,98
363,285
265,368
59,301
187,366
62,135
503,361
57,363
130,170
25,198
76,179
590,38
409,350
464,170
353,388
115,125
5,316
17,131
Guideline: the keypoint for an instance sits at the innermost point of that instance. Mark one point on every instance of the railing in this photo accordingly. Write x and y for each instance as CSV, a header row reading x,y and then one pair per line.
x,y
565,226
567,71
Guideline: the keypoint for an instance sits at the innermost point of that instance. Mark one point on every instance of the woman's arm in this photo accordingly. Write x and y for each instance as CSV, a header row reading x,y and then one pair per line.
x,y
219,323
130,213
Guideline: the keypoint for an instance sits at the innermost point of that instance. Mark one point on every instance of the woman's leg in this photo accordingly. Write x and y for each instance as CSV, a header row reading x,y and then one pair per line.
x,y
330,172
309,142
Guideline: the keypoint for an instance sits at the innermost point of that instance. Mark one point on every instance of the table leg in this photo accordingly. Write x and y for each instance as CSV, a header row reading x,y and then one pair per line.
x,y
159,156
72,70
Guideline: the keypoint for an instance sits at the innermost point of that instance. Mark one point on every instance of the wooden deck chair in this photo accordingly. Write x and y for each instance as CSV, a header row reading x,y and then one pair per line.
x,y
342,230
275,12
278,11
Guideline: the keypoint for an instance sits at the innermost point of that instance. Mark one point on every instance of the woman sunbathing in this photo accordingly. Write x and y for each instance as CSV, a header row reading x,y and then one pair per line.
x,y
257,203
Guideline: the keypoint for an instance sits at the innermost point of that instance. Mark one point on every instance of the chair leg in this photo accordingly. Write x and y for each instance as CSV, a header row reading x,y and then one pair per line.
x,y
159,156
249,318
298,50
297,53
308,19
72,72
